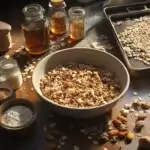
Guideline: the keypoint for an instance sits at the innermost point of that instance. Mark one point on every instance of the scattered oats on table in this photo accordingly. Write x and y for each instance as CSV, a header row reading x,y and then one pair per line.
x,y
135,39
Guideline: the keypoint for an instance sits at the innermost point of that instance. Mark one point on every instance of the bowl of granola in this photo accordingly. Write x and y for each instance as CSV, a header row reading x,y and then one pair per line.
x,y
80,82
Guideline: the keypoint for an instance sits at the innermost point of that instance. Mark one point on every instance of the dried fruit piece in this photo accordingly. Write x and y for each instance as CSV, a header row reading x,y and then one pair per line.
x,y
116,122
142,117
144,142
130,136
113,133
122,119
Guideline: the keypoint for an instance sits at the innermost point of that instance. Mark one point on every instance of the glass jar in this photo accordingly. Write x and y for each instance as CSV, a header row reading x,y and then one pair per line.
x,y
35,29
10,73
58,17
76,23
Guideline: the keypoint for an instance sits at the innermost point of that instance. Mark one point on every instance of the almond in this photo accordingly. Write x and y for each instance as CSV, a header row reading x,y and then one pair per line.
x,y
142,117
123,134
116,122
122,119
113,132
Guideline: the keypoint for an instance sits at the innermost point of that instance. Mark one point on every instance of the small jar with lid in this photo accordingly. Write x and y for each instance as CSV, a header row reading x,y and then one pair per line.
x,y
58,17
76,23
35,29
10,73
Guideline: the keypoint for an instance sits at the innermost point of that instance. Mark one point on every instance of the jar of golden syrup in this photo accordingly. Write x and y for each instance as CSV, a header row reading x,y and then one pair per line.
x,y
58,17
35,29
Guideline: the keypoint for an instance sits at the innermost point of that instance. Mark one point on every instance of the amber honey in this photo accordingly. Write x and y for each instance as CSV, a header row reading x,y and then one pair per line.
x,y
76,29
58,23
36,40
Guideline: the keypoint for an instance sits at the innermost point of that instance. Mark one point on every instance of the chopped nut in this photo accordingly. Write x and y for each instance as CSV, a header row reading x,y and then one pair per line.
x,y
124,112
139,124
127,106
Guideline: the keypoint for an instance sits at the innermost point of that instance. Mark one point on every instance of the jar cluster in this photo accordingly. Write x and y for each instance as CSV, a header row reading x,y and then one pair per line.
x,y
38,27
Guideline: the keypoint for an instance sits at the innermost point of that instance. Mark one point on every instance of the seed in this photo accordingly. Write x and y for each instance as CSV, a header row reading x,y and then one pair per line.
x,y
140,99
130,136
135,93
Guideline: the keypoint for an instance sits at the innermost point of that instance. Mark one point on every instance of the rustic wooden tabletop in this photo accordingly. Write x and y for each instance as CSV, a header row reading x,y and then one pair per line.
x,y
57,132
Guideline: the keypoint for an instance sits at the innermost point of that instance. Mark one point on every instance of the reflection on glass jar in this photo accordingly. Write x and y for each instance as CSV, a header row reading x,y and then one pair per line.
x,y
77,23
35,29
58,17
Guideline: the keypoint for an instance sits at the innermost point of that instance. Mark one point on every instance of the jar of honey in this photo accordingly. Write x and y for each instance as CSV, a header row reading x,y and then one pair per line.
x,y
76,23
35,29
58,17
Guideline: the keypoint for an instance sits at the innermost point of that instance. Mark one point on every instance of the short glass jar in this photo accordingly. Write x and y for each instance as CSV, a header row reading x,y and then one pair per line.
x,y
76,23
10,73
58,17
35,29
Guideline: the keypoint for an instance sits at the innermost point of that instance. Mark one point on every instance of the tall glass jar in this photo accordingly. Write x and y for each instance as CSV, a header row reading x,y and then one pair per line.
x,y
58,17
35,29
76,23
10,73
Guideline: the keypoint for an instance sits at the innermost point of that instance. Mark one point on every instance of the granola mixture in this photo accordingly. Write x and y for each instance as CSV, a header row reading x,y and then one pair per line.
x,y
79,85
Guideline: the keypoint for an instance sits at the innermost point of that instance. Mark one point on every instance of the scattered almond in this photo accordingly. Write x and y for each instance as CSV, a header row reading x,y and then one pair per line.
x,y
116,122
142,117
123,134
122,119
113,132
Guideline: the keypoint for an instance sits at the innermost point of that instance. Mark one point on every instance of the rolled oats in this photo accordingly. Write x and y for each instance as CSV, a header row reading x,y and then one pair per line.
x,y
79,85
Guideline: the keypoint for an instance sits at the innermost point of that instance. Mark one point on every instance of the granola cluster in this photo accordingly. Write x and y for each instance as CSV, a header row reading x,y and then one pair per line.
x,y
79,85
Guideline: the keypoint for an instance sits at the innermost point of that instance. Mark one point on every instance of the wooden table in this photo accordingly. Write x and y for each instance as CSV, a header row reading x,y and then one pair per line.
x,y
68,126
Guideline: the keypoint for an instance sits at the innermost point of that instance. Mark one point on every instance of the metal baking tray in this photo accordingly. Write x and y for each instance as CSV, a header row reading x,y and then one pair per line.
x,y
120,13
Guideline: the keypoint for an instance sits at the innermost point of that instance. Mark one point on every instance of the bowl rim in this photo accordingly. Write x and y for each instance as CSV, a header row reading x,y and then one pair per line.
x,y
83,108
18,102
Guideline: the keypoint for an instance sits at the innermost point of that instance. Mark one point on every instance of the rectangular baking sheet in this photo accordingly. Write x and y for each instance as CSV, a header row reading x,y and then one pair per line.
x,y
123,12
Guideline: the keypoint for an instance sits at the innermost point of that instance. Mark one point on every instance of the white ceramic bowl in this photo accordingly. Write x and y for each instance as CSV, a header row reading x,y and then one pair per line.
x,y
87,56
